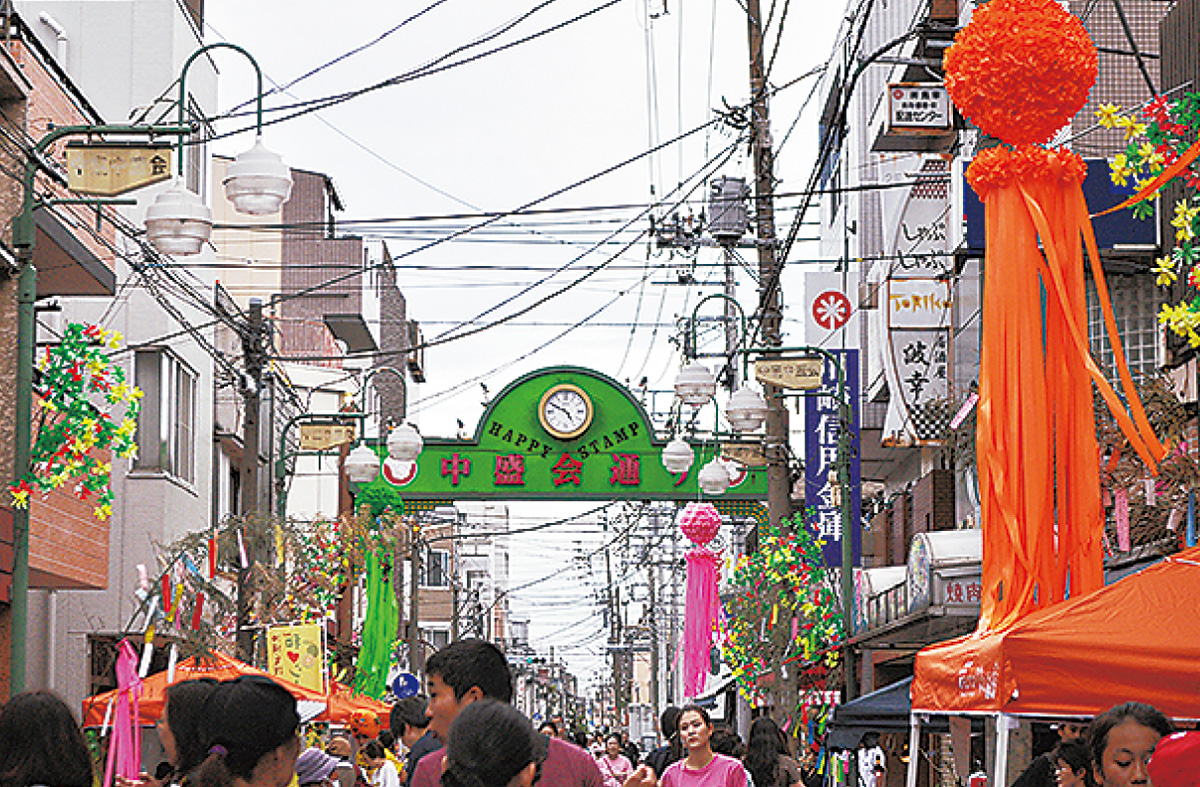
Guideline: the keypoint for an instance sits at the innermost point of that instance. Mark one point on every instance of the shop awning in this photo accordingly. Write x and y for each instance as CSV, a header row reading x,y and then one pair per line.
x,y
1132,640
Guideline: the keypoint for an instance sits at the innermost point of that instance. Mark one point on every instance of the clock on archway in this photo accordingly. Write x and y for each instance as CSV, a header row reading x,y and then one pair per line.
x,y
565,411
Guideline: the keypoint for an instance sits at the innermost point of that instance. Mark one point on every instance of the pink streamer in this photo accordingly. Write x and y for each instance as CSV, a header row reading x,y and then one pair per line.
x,y
125,745
1121,514
701,607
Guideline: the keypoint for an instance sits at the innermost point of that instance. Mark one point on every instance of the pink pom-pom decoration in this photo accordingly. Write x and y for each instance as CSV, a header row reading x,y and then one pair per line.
x,y
700,522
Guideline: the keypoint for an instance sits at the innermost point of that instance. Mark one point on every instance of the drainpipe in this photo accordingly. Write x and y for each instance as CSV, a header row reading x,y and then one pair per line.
x,y
60,33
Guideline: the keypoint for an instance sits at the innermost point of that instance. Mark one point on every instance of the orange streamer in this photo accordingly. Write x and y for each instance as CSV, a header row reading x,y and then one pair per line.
x,y
1038,459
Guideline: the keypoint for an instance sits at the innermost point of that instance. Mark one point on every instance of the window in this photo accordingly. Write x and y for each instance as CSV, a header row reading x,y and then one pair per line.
x,y
1135,306
167,427
436,638
435,569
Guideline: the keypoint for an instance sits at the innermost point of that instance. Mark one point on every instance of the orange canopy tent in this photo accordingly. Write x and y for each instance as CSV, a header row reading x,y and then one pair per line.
x,y
1132,640
337,706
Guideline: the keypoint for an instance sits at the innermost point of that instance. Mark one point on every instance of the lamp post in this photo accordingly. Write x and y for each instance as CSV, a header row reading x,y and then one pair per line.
x,y
258,182
24,237
746,412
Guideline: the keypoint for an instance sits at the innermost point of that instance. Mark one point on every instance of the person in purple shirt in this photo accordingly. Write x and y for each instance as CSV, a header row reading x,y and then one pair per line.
x,y
473,669
702,767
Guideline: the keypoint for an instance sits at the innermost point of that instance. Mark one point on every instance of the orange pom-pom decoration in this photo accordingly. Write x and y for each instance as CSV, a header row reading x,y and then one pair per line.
x,y
1021,69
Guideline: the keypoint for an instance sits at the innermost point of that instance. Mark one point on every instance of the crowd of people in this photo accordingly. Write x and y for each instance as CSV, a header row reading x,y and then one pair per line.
x,y
246,733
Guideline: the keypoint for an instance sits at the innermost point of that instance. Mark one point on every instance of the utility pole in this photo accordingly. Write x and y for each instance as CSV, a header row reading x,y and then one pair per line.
x,y
651,570
415,662
254,356
770,303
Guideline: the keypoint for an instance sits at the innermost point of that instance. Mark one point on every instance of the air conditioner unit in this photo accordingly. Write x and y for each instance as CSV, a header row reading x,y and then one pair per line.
x,y
416,357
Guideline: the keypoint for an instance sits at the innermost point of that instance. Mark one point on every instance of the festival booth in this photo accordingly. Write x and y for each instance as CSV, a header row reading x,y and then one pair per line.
x,y
336,706
1131,640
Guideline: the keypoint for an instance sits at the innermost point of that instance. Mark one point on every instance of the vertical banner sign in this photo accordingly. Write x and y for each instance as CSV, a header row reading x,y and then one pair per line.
x,y
910,329
821,427
296,653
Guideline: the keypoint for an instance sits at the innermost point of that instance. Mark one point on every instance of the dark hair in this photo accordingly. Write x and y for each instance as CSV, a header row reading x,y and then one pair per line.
x,y
40,743
185,716
387,739
472,662
1140,712
668,722
725,741
1073,752
763,750
490,743
373,750
408,712
548,723
245,719
695,709
613,735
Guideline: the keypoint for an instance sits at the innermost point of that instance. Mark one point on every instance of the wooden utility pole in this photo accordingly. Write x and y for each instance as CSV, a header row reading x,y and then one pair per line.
x,y
254,356
770,294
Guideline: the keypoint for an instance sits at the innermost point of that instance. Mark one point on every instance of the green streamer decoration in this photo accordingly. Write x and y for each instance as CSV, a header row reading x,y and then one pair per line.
x,y
379,628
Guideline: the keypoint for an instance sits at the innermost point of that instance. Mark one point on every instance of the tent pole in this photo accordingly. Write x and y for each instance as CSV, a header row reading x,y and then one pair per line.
x,y
1003,726
914,749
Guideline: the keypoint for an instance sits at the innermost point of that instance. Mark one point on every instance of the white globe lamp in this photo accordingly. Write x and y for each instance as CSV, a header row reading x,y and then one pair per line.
x,y
714,478
178,222
746,410
695,384
258,182
405,443
677,456
362,465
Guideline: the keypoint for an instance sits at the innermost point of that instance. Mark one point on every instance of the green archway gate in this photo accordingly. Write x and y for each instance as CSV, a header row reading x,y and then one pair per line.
x,y
561,433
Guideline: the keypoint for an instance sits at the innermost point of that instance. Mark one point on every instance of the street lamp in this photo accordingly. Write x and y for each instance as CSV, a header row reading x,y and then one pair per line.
x,y
677,456
747,410
362,465
404,444
695,384
258,182
24,235
714,478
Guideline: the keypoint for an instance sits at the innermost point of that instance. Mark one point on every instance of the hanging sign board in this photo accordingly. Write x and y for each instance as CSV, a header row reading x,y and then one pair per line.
x,y
749,454
798,374
918,108
297,653
322,437
110,169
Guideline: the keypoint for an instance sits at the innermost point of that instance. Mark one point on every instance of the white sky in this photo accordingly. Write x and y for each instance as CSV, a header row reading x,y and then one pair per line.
x,y
511,128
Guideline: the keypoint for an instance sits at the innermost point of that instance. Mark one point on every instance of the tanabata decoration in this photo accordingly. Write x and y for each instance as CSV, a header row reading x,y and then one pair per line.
x,y
1020,70
780,607
81,395
379,628
700,522
1160,147
125,745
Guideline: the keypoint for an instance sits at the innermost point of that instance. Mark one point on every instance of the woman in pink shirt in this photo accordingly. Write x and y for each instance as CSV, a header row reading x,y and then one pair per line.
x,y
702,767
614,766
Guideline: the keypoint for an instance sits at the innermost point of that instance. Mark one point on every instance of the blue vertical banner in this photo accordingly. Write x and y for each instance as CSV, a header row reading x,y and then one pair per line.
x,y
821,430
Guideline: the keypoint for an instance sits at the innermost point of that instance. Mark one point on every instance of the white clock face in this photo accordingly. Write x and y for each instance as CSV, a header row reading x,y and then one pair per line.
x,y
566,412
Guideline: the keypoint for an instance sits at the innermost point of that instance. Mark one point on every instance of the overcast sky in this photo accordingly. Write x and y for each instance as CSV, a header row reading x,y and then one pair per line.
x,y
510,129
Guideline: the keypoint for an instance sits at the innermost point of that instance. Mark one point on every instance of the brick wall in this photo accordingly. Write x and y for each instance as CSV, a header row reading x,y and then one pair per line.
x,y
900,530
933,502
314,258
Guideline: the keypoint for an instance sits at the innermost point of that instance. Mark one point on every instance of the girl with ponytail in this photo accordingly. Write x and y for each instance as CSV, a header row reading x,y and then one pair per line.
x,y
250,729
